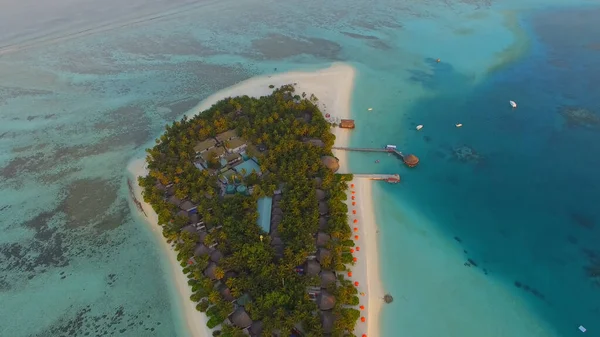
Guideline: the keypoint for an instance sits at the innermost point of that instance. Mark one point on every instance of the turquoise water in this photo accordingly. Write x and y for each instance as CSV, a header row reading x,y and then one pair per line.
x,y
264,213
84,88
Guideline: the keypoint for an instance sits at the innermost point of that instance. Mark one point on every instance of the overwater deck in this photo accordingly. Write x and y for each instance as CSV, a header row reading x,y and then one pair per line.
x,y
366,149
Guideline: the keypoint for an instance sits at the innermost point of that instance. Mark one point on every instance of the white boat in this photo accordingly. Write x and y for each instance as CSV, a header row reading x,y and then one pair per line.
x,y
390,147
419,127
513,104
458,125
582,329
370,109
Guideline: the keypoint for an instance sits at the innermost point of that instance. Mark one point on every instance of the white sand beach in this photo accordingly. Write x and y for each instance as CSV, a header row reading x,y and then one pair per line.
x,y
366,269
333,87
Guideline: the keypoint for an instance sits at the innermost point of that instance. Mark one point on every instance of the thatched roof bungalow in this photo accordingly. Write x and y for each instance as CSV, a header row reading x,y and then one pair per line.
x,y
347,124
322,239
190,229
240,318
216,256
321,195
323,254
210,271
201,250
327,321
411,160
182,213
205,145
323,208
315,141
226,293
318,182
325,300
313,268
327,278
227,135
174,200
331,163
256,329
322,223
187,206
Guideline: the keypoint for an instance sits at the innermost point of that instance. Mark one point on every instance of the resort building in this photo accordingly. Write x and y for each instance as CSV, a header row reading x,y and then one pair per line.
x,y
347,123
226,136
235,145
232,159
205,145
217,150
188,206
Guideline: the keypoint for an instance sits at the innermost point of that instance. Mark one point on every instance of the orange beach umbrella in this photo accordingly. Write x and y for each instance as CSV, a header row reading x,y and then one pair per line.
x,y
351,185
358,249
355,220
355,237
354,259
356,284
362,319
349,274
362,307
353,211
353,203
356,229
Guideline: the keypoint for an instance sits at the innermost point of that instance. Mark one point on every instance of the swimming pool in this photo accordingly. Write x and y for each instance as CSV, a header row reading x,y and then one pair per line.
x,y
264,213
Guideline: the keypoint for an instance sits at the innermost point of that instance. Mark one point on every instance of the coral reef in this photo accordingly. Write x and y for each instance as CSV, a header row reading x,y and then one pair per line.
x,y
578,116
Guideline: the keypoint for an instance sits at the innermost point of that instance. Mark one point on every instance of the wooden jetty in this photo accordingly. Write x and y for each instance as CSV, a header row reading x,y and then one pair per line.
x,y
365,149
137,203
410,160
390,178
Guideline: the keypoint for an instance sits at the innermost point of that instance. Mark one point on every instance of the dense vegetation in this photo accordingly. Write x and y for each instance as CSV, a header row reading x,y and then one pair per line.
x,y
275,292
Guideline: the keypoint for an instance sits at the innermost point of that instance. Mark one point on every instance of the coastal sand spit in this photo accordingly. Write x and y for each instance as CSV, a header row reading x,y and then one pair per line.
x,y
333,87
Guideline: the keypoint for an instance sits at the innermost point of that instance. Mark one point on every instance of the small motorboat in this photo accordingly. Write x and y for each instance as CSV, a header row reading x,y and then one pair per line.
x,y
513,104
582,328
377,161
458,125
370,109
419,127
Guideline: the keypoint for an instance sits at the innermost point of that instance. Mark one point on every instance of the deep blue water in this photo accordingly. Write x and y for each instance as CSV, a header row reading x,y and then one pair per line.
x,y
527,212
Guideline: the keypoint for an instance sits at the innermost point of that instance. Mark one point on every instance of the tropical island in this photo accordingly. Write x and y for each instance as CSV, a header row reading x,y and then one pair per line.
x,y
277,272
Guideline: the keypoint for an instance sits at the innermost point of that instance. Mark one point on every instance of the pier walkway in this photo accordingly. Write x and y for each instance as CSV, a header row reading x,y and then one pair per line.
x,y
364,149
390,178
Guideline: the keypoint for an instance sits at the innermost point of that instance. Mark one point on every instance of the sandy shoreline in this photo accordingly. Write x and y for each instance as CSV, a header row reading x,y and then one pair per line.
x,y
333,87
366,269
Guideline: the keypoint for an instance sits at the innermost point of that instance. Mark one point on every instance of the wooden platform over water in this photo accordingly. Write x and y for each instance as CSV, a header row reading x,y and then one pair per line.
x,y
365,149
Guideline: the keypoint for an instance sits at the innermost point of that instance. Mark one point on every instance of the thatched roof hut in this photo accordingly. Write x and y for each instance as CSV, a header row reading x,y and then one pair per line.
x,y
327,320
240,318
322,223
276,211
318,182
277,197
190,229
323,254
201,250
174,200
229,274
182,213
331,163
347,124
313,268
315,141
256,329
202,235
210,271
194,218
327,278
321,195
216,256
323,208
411,160
226,293
322,239
325,300
187,206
